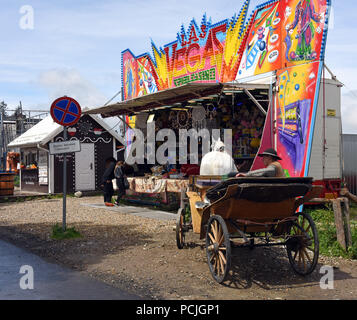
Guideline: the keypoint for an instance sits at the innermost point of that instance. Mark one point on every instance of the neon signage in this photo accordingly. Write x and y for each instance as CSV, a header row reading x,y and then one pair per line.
x,y
198,52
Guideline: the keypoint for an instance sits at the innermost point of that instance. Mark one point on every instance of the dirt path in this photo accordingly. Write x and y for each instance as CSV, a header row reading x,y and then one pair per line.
x,y
140,255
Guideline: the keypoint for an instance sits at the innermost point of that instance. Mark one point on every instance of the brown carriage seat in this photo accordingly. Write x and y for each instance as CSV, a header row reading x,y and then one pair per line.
x,y
262,189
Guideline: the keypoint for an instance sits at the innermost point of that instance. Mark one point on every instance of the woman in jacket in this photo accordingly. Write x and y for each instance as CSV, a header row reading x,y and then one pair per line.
x,y
119,176
107,184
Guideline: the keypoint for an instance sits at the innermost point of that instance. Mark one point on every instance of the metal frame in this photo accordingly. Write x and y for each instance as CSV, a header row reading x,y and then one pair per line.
x,y
174,95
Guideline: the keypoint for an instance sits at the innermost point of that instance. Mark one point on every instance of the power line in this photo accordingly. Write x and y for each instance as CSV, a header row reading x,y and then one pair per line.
x,y
112,98
121,119
350,90
335,78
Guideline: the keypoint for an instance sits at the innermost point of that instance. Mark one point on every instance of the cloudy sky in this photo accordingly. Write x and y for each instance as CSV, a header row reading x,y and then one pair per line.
x,y
75,47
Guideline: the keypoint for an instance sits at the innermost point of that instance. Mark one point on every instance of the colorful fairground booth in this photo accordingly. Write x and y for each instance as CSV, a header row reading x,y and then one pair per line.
x,y
261,76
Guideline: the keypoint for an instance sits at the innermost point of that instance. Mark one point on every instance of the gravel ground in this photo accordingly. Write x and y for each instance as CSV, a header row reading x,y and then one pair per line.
x,y
140,255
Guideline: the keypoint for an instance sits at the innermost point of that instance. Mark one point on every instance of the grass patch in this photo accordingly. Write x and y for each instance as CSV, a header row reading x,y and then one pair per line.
x,y
59,234
353,211
17,181
325,222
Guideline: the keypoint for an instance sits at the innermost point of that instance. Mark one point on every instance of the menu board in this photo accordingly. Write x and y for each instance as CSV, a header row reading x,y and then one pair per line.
x,y
42,168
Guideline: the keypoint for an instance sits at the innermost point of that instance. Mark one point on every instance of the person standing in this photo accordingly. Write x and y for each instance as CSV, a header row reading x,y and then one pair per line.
x,y
119,176
107,183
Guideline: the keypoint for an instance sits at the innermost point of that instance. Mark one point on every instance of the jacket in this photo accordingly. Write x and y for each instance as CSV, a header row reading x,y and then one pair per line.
x,y
273,170
108,173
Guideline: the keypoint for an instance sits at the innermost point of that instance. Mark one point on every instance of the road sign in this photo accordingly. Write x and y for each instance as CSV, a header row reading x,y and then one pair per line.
x,y
65,147
65,111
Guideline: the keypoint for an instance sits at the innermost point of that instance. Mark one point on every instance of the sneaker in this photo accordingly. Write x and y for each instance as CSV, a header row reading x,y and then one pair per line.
x,y
116,203
109,204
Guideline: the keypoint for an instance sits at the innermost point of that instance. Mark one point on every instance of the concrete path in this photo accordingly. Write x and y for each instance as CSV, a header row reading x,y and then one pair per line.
x,y
50,281
136,211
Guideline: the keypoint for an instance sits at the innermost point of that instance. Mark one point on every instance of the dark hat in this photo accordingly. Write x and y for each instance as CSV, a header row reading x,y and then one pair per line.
x,y
270,152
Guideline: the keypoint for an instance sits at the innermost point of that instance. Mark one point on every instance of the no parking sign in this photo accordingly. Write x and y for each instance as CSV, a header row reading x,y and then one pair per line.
x,y
65,111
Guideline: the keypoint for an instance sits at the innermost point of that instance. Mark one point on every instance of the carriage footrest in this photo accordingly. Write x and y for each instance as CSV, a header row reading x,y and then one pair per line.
x,y
265,224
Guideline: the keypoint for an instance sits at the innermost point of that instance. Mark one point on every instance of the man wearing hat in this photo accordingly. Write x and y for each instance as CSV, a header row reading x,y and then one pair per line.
x,y
272,167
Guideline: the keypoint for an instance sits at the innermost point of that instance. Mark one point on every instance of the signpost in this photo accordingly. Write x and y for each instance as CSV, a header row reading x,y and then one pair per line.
x,y
65,111
2,138
65,147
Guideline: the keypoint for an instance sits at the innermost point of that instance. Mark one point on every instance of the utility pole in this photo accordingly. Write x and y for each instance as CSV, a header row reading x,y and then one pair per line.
x,y
21,120
2,136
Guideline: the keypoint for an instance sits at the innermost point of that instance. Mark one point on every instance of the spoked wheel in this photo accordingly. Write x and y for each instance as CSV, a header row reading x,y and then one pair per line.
x,y
218,248
303,245
180,228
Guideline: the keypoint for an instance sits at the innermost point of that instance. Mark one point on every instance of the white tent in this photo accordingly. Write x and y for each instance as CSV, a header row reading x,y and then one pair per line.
x,y
47,129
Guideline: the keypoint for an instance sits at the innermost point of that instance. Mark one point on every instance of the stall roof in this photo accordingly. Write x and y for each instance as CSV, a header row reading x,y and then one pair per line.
x,y
170,96
47,129
40,133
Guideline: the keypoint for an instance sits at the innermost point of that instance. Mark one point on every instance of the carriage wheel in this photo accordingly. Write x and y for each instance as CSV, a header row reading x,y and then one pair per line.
x,y
303,245
180,226
218,248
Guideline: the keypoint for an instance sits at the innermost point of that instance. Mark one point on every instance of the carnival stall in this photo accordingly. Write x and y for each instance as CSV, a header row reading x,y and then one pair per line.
x,y
260,77
223,106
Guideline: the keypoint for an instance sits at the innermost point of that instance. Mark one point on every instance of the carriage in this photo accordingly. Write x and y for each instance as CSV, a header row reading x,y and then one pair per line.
x,y
249,212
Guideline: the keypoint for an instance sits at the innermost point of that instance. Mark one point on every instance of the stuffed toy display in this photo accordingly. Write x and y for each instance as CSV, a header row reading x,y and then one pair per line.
x,y
247,126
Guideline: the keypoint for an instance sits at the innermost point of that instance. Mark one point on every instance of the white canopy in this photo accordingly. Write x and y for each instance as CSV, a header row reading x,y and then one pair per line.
x,y
40,133
47,129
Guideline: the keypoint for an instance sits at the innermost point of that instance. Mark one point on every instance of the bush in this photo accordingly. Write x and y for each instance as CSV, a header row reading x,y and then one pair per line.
x,y
325,222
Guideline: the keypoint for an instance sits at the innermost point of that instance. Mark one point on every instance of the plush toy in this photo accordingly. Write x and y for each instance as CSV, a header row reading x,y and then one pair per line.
x,y
260,122
246,114
255,143
236,137
224,108
246,131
